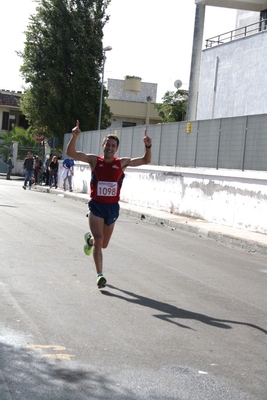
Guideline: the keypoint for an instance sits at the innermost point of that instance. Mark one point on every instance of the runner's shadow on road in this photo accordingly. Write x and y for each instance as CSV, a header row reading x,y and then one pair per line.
x,y
170,313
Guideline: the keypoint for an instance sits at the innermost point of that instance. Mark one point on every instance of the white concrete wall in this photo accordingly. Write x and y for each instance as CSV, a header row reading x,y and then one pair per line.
x,y
227,197
241,79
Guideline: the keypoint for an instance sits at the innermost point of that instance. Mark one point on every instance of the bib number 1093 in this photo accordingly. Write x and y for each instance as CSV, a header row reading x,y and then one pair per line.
x,y
107,189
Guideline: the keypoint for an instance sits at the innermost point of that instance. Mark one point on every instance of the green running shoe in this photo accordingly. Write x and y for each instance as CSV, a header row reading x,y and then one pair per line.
x,y
87,247
101,281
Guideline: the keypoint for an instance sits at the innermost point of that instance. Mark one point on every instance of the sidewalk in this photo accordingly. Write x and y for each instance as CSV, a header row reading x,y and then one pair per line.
x,y
247,240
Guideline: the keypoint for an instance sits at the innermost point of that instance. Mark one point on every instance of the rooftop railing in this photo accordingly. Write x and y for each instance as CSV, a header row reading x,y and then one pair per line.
x,y
237,33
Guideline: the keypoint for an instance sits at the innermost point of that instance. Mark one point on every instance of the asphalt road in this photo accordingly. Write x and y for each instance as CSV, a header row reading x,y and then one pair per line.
x,y
182,317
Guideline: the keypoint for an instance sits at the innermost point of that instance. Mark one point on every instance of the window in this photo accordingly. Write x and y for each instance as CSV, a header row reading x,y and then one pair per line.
x,y
126,124
5,121
12,121
23,122
263,20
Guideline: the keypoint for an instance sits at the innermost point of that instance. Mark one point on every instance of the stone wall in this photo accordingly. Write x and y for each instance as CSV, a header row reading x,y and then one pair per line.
x,y
228,197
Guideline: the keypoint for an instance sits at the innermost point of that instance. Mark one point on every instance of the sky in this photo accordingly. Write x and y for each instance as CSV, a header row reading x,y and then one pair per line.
x,y
150,39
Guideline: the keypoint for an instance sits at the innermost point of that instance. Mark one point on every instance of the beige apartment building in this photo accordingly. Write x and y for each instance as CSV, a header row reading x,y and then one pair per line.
x,y
131,102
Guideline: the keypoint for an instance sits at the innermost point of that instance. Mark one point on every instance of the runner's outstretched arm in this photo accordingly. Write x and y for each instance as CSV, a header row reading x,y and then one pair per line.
x,y
79,155
136,162
71,147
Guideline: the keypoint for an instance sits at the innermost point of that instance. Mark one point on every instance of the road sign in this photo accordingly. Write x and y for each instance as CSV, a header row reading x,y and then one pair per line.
x,y
53,142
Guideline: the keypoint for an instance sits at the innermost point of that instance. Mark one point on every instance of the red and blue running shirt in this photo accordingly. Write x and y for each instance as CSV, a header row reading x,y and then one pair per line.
x,y
106,181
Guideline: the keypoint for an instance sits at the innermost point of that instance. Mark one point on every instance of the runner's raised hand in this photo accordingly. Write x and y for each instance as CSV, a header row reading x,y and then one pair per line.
x,y
147,140
76,130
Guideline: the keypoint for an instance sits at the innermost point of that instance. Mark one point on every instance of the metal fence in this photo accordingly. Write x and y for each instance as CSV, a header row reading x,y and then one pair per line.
x,y
239,33
231,143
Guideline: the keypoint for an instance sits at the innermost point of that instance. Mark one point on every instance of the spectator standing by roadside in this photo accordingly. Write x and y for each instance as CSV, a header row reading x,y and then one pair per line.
x,y
68,172
37,170
28,170
47,171
10,164
53,171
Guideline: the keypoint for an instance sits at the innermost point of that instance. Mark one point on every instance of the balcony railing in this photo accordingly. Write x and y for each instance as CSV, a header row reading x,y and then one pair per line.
x,y
237,33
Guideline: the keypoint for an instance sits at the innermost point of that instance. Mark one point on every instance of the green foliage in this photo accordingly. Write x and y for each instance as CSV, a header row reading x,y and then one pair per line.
x,y
173,107
132,77
62,57
24,138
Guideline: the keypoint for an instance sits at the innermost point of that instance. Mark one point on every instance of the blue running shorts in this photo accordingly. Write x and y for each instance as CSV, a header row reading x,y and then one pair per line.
x,y
109,212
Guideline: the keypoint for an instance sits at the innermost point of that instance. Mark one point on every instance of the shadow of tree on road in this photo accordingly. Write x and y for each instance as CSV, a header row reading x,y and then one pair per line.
x,y
170,312
25,374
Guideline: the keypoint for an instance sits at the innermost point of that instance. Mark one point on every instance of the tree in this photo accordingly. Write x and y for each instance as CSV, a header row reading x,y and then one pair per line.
x,y
62,58
25,140
173,107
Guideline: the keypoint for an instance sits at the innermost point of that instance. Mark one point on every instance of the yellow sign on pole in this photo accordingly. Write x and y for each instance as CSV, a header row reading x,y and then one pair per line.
x,y
188,127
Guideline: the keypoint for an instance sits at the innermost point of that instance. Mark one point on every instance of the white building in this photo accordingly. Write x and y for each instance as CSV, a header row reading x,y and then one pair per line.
x,y
232,77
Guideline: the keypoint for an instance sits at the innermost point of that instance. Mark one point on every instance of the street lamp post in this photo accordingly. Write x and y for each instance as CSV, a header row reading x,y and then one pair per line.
x,y
108,48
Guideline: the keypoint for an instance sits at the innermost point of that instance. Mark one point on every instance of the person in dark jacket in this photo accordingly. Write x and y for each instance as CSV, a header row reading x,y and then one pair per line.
x,y
10,166
38,168
47,170
28,170
53,167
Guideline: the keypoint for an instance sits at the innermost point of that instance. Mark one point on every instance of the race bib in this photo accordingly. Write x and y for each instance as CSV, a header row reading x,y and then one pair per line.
x,y
107,189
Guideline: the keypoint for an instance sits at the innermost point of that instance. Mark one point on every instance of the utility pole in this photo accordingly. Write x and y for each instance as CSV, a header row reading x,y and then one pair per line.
x,y
195,63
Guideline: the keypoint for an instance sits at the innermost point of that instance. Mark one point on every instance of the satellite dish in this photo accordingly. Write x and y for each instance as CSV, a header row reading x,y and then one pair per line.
x,y
178,84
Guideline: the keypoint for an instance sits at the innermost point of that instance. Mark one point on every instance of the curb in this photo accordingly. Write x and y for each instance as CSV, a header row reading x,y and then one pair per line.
x,y
250,246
